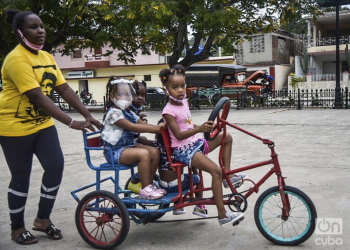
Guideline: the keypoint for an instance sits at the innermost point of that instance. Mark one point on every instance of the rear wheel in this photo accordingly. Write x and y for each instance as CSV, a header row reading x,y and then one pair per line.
x,y
215,99
102,220
198,101
248,100
93,102
299,225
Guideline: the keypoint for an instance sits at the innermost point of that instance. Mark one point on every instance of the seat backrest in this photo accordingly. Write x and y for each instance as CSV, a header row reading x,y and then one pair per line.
x,y
168,149
93,139
95,142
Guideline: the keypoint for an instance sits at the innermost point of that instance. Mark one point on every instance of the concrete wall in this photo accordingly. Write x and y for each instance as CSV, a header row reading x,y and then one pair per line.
x,y
309,84
281,75
255,58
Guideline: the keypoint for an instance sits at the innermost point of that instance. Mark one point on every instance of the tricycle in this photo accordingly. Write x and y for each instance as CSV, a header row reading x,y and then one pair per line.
x,y
283,214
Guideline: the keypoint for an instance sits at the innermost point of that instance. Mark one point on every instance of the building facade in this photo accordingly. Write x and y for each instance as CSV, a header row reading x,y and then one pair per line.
x,y
270,52
321,44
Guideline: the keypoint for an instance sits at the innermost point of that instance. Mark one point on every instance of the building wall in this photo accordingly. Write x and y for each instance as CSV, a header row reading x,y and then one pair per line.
x,y
281,56
97,84
281,76
67,62
255,58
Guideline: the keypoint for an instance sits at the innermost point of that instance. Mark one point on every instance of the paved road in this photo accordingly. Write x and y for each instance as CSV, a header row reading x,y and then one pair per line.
x,y
313,147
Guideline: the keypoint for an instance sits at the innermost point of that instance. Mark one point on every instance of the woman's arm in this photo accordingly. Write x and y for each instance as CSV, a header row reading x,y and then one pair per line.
x,y
182,135
68,94
46,104
139,127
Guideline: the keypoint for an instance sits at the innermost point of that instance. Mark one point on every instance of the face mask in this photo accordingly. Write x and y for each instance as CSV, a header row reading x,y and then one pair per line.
x,y
122,104
174,99
134,108
30,45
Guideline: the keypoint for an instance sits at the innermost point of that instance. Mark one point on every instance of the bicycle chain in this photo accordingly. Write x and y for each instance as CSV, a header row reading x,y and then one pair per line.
x,y
193,219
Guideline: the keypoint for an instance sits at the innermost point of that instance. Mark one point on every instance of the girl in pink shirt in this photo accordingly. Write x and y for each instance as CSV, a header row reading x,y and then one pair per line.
x,y
187,147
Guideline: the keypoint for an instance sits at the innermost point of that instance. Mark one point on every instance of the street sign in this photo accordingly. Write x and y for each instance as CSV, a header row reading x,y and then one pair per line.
x,y
330,3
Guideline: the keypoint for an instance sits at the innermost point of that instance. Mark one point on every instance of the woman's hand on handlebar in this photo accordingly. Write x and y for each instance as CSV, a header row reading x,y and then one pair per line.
x,y
92,121
206,127
81,125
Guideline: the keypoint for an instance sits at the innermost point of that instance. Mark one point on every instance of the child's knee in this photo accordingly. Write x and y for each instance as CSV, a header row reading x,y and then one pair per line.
x,y
144,155
217,172
155,153
228,138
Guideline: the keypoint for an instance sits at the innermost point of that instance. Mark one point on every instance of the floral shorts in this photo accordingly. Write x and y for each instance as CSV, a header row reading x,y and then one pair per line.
x,y
185,155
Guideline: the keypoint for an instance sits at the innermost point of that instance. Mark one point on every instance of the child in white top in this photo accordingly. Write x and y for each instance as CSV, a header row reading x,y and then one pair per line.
x,y
120,127
187,147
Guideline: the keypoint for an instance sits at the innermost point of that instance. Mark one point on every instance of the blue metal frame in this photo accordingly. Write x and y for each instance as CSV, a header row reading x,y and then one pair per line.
x,y
102,167
129,201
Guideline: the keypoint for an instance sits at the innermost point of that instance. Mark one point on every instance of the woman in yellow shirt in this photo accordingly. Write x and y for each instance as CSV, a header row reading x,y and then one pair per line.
x,y
29,78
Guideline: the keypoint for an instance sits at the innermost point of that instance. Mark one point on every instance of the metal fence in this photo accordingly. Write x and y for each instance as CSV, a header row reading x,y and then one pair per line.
x,y
298,99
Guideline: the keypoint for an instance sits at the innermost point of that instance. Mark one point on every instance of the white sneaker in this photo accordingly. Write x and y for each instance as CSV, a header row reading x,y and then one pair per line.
x,y
235,218
235,180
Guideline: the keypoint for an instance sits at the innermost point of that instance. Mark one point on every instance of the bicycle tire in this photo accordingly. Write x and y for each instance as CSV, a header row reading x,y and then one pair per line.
x,y
267,209
91,226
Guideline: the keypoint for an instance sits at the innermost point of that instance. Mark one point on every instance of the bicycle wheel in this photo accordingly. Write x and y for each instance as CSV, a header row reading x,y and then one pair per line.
x,y
145,206
102,220
248,100
301,221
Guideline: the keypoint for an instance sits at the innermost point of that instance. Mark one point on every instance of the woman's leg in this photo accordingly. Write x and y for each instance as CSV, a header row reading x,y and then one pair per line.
x,y
48,150
202,162
141,156
18,152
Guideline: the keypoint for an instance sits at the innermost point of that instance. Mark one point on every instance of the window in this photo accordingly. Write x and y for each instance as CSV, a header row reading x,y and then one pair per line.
x,y
281,45
77,54
258,44
147,78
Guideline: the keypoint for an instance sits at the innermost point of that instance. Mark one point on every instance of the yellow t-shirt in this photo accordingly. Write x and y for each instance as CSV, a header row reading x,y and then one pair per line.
x,y
23,71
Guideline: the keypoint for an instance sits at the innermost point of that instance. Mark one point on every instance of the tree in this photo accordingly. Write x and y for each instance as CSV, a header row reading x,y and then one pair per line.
x,y
165,26
296,27
76,24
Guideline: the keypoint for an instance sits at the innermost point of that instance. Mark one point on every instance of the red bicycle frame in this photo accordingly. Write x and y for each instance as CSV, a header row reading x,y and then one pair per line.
x,y
187,199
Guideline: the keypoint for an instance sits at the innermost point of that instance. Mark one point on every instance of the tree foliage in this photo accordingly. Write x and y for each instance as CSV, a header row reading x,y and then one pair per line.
x,y
165,26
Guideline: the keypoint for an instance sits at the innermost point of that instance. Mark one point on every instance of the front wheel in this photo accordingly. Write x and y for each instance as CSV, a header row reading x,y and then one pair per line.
x,y
299,225
102,220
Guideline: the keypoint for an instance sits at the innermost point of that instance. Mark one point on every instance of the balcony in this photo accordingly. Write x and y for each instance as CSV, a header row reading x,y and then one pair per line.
x,y
326,41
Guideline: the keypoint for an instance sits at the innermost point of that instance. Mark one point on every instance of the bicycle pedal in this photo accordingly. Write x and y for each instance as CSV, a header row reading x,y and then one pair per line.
x,y
235,223
237,185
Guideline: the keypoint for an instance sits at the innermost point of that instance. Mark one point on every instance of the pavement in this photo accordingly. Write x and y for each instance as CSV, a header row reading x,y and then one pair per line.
x,y
313,147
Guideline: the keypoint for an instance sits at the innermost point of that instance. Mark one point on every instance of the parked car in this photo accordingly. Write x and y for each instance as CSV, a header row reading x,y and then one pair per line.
x,y
155,97
228,80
